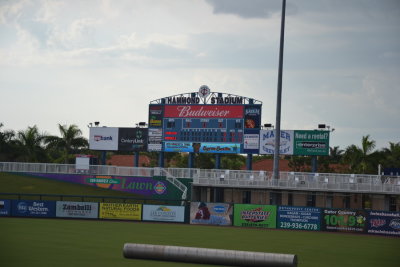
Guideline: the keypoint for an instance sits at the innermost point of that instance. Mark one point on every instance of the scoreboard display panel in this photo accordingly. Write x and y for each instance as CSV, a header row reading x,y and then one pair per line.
x,y
187,125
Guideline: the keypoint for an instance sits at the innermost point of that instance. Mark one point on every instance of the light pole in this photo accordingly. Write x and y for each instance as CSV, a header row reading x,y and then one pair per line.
x,y
279,96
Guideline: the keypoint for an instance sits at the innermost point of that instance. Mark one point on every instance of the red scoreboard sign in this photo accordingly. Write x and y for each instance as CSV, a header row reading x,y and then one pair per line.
x,y
203,111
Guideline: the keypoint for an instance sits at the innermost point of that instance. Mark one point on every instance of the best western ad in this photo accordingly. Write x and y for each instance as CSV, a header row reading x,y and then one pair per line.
x,y
299,218
29,208
211,213
384,223
120,211
248,215
163,213
77,209
103,138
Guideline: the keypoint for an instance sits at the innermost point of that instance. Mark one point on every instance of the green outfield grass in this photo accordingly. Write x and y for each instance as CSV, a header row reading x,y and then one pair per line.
x,y
57,242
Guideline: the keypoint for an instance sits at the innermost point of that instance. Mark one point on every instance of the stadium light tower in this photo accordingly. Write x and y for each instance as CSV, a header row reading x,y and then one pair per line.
x,y
279,96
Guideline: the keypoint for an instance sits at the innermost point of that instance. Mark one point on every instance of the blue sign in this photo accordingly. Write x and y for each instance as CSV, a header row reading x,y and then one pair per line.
x,y
5,207
29,208
299,218
384,223
179,147
233,148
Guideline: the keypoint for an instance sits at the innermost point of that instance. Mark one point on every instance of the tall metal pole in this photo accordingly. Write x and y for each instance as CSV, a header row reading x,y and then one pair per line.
x,y
279,96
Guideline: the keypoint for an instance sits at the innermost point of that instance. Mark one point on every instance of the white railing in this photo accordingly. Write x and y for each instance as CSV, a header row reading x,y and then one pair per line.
x,y
230,178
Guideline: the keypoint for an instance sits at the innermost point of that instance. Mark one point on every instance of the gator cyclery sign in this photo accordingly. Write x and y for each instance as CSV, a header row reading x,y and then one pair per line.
x,y
156,187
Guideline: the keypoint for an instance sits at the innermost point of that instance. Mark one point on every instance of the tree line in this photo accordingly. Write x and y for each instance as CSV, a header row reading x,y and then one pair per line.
x,y
31,145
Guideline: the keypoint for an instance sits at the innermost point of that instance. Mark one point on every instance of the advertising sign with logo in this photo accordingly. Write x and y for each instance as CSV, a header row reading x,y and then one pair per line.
x,y
343,220
299,218
252,117
384,223
311,143
120,211
267,142
232,148
154,139
248,215
88,210
163,213
155,116
5,207
29,208
103,138
132,139
251,141
146,187
210,213
203,111
178,147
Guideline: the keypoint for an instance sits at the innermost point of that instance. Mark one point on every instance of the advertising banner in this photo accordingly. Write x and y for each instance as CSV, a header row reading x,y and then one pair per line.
x,y
5,207
252,116
29,208
103,138
148,187
132,139
120,211
210,213
154,139
311,143
203,111
88,210
267,142
155,116
299,218
163,213
343,220
384,223
248,215
178,147
231,148
251,141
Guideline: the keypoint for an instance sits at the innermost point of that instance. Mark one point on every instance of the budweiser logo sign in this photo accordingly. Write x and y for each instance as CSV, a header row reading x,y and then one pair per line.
x,y
203,111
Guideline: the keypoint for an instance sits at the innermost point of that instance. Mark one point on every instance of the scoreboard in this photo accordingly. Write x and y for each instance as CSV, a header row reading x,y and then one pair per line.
x,y
209,127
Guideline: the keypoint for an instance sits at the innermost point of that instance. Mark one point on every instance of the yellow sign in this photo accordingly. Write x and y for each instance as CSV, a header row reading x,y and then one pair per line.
x,y
121,211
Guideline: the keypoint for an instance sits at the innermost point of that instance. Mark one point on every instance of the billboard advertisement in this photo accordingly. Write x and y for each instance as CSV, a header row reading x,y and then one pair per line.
x,y
252,117
132,139
232,148
69,209
103,138
154,139
29,208
178,147
155,116
267,142
203,111
164,213
384,223
120,211
248,215
299,218
311,143
5,207
210,213
344,220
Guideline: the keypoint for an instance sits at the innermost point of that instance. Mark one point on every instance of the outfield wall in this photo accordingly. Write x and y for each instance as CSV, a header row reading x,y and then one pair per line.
x,y
222,214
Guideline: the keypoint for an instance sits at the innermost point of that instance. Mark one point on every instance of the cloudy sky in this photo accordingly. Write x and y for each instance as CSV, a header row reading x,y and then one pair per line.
x,y
75,62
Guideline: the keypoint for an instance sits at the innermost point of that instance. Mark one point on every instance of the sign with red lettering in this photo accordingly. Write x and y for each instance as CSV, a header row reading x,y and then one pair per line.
x,y
203,111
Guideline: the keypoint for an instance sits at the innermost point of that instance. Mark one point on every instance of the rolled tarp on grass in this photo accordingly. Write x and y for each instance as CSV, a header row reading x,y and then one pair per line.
x,y
208,255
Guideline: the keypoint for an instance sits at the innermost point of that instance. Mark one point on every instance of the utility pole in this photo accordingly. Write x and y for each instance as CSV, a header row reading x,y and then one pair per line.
x,y
279,96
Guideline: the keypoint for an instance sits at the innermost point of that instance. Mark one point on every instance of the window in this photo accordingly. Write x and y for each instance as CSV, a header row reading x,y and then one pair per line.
x,y
311,200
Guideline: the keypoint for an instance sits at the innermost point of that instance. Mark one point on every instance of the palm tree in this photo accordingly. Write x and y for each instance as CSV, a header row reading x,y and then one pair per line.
x,y
392,155
30,145
70,141
335,154
6,144
360,158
